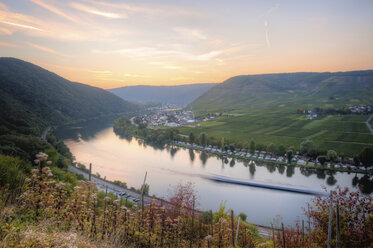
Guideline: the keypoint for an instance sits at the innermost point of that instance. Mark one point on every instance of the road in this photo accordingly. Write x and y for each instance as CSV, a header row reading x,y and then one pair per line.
x,y
133,121
368,124
101,184
45,132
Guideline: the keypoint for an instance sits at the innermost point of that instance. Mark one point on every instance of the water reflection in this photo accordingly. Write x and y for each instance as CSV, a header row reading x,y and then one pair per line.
x,y
252,169
331,180
290,170
83,130
281,169
203,157
191,155
232,163
173,151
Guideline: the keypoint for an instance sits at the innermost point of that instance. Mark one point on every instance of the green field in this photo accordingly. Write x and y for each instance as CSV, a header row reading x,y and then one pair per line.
x,y
347,134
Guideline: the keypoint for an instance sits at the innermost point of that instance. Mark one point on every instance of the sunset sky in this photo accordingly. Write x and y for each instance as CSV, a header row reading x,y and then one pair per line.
x,y
117,43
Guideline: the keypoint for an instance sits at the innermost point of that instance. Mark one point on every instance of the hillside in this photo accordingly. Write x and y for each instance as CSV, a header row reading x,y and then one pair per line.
x,y
287,92
32,97
264,108
178,94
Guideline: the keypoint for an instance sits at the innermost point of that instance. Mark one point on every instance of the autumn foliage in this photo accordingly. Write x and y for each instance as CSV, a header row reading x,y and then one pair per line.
x,y
355,218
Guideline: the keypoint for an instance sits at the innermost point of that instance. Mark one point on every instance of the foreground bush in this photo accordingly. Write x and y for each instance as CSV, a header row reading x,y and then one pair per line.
x,y
79,211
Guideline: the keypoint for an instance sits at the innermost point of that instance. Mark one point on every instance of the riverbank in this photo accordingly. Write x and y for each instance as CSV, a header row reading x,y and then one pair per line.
x,y
263,157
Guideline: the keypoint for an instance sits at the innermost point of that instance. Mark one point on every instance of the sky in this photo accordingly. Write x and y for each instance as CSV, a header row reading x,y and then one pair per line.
x,y
118,43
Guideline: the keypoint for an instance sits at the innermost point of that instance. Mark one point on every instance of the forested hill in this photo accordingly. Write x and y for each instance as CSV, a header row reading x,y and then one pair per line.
x,y
288,91
178,94
32,97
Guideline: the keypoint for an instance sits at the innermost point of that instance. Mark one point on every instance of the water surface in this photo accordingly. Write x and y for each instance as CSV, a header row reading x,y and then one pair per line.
x,y
128,160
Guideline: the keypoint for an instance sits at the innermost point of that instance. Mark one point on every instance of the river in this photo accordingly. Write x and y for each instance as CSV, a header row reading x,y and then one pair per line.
x,y
128,160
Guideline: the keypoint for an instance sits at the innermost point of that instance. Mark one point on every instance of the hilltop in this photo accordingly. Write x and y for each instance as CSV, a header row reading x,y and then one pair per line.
x,y
177,94
32,97
288,91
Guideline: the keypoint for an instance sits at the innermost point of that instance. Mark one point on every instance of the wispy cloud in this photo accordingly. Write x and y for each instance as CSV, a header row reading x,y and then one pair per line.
x,y
124,6
191,33
54,9
272,9
268,42
151,52
135,75
43,48
94,11
101,72
6,44
20,25
205,56
5,31
173,67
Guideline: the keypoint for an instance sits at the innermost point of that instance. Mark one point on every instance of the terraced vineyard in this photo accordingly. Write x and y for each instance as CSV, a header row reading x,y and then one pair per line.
x,y
347,134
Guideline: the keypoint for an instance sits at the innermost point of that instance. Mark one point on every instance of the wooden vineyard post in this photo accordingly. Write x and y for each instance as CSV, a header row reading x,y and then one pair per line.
x,y
192,234
330,220
309,228
142,191
232,228
302,233
244,238
338,229
283,235
90,172
273,236
238,229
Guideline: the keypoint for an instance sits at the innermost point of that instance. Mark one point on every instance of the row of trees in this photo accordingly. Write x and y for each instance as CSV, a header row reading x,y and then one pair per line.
x,y
158,137
306,148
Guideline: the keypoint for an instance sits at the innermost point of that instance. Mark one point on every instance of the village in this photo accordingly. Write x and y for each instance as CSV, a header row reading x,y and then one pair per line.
x,y
168,115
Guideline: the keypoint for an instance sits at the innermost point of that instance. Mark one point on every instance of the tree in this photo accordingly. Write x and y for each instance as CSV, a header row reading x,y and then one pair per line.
x,y
232,148
281,150
306,146
366,156
356,160
355,229
182,195
271,148
242,216
289,156
146,188
222,143
191,137
321,159
203,139
252,146
332,155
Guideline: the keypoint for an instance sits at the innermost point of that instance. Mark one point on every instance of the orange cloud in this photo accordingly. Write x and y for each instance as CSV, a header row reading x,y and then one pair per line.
x,y
21,25
43,48
7,44
54,10
94,11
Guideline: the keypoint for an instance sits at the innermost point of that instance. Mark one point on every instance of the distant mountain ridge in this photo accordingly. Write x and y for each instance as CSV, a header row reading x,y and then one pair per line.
x,y
177,94
31,96
269,91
